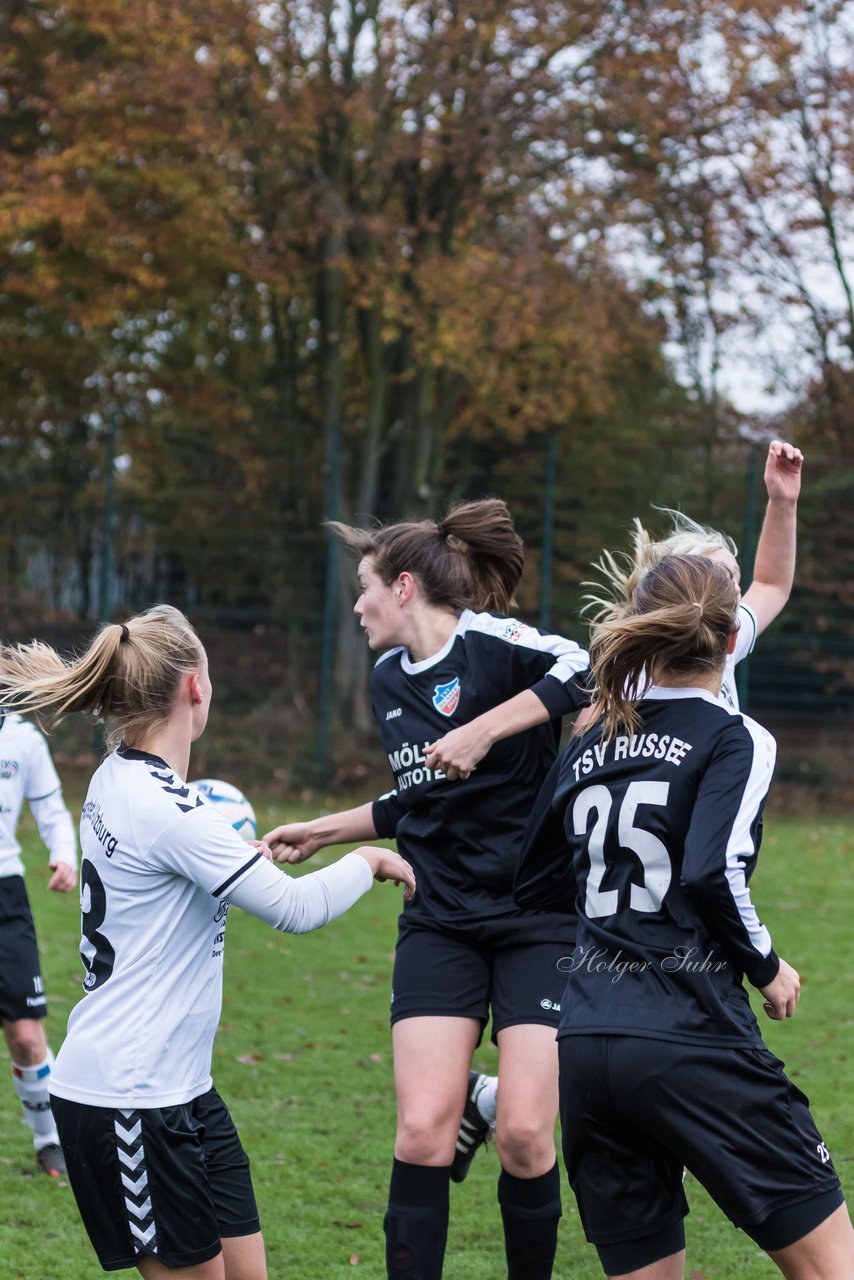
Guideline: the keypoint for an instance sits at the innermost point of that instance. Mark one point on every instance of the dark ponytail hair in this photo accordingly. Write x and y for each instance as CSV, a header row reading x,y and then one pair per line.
x,y
678,622
470,559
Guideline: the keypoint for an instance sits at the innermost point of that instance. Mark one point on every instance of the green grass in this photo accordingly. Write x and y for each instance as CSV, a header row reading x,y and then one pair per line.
x,y
303,1059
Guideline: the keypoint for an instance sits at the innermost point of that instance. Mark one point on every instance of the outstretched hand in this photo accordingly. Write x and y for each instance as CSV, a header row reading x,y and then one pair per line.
x,y
783,471
782,995
388,865
292,842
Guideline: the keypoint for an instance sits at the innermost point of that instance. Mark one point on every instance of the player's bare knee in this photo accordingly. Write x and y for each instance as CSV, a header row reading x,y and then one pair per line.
x,y
425,1140
525,1147
26,1042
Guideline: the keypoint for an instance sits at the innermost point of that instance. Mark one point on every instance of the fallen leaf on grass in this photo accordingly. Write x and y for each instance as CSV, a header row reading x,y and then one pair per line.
x,y
249,1059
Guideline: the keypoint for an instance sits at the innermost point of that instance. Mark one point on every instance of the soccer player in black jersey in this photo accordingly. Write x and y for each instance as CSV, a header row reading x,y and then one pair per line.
x,y
469,706
154,1160
648,829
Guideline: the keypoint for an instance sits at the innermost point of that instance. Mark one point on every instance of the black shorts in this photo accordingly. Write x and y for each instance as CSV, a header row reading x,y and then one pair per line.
x,y
467,975
164,1181
21,987
635,1111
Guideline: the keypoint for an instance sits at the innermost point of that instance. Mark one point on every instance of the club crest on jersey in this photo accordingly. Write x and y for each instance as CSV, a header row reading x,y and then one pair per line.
x,y
513,631
447,696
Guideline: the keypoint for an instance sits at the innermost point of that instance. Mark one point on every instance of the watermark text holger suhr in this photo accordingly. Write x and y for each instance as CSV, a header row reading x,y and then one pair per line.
x,y
598,960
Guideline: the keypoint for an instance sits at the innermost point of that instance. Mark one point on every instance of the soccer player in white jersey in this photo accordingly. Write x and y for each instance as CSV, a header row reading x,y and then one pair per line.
x,y
773,569
647,833
154,1160
27,773
468,702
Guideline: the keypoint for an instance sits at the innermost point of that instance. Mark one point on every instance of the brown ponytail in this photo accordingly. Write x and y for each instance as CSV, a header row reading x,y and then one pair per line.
x,y
678,622
471,559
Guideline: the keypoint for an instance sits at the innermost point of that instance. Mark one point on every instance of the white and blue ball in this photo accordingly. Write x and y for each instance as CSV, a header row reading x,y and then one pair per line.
x,y
232,804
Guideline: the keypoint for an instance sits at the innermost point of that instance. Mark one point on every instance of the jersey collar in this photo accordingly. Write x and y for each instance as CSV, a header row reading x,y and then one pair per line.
x,y
413,668
662,693
131,753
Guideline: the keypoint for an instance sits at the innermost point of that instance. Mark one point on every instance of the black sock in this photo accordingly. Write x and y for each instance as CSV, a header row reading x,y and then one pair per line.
x,y
416,1224
531,1209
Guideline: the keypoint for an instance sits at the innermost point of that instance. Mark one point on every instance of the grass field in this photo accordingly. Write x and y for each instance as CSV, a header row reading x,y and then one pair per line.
x,y
303,1059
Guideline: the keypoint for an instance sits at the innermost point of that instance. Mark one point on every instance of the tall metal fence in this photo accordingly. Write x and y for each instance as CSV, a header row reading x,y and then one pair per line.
x,y
290,672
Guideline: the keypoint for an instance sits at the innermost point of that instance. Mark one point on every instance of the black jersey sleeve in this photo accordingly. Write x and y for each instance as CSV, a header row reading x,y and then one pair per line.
x,y
562,697
387,812
545,879
722,844
516,656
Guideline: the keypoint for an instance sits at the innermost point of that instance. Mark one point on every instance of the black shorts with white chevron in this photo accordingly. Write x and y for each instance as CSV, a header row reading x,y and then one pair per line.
x,y
166,1181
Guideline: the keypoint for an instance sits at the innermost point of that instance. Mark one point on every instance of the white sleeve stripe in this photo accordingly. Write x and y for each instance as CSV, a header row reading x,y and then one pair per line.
x,y
748,631
569,656
227,884
740,841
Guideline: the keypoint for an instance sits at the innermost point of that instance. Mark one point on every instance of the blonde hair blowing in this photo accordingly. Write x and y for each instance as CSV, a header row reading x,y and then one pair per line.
x,y
677,623
127,677
622,571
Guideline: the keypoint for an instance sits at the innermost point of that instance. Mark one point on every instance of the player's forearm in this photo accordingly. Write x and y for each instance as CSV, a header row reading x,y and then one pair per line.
x,y
521,712
345,827
56,828
776,550
300,906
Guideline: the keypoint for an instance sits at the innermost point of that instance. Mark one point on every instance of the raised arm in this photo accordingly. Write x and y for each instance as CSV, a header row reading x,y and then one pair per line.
x,y
774,568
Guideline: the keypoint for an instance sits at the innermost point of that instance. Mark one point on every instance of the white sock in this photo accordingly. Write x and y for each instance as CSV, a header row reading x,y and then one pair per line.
x,y
485,1098
31,1087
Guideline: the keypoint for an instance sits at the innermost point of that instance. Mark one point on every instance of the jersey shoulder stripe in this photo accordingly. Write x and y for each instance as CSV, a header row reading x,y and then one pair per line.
x,y
748,632
220,889
46,796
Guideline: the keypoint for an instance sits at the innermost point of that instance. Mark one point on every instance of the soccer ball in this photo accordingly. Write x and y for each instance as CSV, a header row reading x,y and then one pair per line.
x,y
232,804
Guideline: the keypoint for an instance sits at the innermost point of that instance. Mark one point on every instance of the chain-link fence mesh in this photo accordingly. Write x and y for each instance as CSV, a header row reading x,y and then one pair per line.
x,y
290,669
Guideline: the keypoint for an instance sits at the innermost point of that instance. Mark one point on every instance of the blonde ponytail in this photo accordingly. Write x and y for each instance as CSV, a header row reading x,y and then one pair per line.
x,y
127,677
677,623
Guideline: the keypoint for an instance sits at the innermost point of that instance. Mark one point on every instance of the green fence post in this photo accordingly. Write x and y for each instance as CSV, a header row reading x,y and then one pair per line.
x,y
548,530
330,609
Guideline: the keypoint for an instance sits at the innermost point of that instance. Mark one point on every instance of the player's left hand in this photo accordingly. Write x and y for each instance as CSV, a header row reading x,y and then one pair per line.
x,y
459,752
783,471
782,995
263,848
64,877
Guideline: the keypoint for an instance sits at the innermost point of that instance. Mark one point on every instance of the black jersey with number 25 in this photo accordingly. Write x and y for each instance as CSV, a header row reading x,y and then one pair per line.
x,y
652,839
464,837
